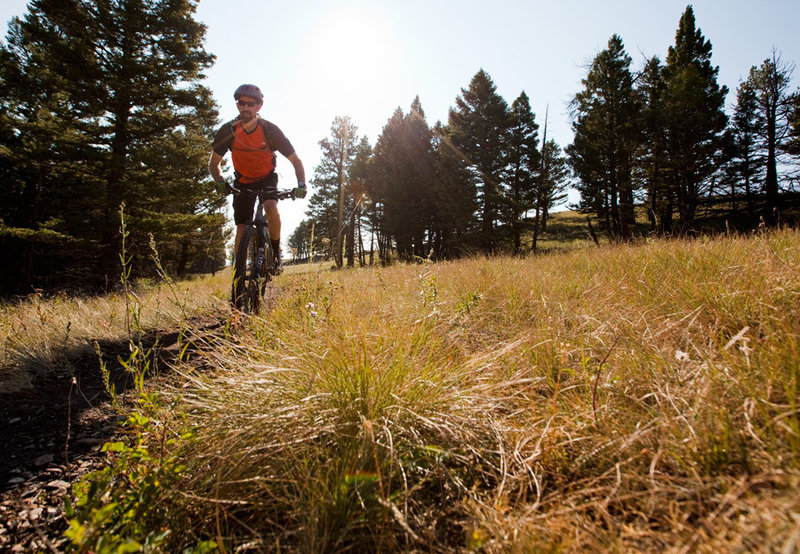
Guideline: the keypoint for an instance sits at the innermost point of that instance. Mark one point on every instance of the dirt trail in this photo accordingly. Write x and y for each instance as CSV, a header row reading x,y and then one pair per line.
x,y
51,435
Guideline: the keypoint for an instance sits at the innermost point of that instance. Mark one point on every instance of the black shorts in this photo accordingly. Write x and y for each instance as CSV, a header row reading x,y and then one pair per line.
x,y
244,202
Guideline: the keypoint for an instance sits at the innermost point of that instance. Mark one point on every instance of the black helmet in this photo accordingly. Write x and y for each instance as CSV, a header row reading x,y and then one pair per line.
x,y
248,90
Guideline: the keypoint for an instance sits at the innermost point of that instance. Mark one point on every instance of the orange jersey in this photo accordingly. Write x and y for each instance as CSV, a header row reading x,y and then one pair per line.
x,y
252,156
253,153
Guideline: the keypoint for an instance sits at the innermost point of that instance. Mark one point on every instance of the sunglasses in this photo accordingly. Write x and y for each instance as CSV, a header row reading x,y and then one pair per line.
x,y
244,103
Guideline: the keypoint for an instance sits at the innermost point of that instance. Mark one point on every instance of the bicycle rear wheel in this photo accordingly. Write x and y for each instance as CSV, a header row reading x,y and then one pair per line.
x,y
250,271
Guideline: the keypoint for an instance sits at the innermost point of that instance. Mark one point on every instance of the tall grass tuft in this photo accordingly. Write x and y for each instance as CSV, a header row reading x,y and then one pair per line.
x,y
633,397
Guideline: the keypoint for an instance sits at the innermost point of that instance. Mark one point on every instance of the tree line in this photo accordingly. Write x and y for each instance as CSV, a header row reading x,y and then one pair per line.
x,y
101,106
660,137
657,140
479,183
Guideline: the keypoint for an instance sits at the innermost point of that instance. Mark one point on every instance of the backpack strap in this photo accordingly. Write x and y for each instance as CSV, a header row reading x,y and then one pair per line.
x,y
264,124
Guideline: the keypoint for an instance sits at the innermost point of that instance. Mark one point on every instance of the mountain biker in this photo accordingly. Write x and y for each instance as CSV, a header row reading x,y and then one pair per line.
x,y
253,142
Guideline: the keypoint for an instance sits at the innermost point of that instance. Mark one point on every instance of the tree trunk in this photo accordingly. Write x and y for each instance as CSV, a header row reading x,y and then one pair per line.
x,y
115,195
337,247
627,215
183,259
350,247
534,244
488,216
591,232
771,182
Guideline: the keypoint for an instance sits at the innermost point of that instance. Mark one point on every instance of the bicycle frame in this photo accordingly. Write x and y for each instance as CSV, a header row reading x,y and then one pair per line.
x,y
254,263
260,222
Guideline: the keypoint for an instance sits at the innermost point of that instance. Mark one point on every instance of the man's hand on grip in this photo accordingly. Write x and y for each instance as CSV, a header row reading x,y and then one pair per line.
x,y
224,188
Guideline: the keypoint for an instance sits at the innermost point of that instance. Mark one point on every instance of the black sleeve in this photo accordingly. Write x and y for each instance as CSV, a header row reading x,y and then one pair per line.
x,y
278,140
223,140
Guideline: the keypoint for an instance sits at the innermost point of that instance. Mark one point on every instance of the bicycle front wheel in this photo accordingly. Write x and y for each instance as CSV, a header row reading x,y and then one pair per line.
x,y
249,272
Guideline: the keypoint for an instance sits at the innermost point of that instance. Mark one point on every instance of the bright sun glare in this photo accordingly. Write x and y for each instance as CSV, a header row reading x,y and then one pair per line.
x,y
351,56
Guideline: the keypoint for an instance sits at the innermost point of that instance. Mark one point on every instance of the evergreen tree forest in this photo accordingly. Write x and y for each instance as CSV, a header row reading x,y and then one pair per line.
x,y
477,184
102,120
654,151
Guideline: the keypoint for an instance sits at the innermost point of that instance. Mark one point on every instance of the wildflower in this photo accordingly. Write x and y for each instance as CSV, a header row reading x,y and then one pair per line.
x,y
681,356
312,310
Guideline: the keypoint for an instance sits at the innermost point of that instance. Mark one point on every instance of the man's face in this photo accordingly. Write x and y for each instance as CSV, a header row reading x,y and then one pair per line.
x,y
248,107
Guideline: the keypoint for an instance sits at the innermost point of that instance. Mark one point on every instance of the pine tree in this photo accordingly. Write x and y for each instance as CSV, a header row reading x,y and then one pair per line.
x,y
300,240
454,199
769,84
357,190
695,118
328,205
104,98
792,145
523,161
652,159
419,145
478,127
403,173
607,136
383,188
553,182
747,163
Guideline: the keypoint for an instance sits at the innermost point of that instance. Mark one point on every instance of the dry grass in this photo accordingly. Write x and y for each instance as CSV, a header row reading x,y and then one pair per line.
x,y
42,336
629,398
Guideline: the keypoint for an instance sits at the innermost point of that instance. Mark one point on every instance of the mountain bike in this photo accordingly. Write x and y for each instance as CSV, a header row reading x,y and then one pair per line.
x,y
254,264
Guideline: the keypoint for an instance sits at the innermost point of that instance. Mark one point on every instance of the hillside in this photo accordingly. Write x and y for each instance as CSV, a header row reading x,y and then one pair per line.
x,y
639,397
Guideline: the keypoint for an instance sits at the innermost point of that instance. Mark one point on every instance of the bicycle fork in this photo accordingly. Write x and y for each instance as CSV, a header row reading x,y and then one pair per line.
x,y
262,233
260,258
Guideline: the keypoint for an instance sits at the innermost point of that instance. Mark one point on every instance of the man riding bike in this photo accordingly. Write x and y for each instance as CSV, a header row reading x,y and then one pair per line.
x,y
253,142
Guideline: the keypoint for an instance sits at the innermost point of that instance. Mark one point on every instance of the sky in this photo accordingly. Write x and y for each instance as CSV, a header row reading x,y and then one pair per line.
x,y
316,59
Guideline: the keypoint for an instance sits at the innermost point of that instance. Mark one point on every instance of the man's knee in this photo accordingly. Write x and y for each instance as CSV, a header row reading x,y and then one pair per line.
x,y
271,207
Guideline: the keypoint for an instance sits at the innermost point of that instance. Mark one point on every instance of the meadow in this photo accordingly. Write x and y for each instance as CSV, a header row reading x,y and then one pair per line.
x,y
637,397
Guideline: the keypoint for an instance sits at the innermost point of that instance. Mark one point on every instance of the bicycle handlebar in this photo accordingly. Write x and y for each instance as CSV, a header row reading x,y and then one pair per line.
x,y
282,194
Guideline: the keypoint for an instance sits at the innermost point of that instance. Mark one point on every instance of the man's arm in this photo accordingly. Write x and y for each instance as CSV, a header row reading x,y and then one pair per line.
x,y
214,167
299,171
